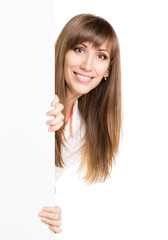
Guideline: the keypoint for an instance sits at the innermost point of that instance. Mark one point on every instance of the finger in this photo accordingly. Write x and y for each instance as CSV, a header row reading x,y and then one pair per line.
x,y
57,127
59,107
54,209
56,120
51,222
55,101
55,229
52,216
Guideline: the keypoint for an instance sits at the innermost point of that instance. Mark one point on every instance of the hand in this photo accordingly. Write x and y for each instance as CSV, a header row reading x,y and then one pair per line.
x,y
52,216
57,122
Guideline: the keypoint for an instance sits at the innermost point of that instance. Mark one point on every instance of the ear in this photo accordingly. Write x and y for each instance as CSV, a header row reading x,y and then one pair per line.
x,y
106,74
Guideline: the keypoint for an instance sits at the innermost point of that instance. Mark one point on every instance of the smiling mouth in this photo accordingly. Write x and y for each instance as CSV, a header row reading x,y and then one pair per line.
x,y
82,77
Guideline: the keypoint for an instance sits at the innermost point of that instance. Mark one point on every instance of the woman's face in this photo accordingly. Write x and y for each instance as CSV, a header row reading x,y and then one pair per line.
x,y
84,68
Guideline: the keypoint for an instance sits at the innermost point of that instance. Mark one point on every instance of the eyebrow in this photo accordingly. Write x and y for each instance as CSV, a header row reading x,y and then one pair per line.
x,y
98,49
104,50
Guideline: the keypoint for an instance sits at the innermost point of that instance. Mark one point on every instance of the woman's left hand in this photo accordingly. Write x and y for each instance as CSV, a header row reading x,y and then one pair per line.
x,y
52,216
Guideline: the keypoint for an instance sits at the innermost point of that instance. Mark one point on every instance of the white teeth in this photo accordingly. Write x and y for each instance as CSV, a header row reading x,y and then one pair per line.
x,y
86,78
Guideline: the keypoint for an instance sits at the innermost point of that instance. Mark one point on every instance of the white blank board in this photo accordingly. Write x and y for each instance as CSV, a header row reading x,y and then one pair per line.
x,y
26,92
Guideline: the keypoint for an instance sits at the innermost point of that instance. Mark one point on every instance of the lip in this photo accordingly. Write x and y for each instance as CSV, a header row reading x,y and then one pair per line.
x,y
84,75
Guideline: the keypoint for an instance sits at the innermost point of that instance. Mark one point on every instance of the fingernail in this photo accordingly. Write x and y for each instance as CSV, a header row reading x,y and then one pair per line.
x,y
41,214
43,219
52,103
44,208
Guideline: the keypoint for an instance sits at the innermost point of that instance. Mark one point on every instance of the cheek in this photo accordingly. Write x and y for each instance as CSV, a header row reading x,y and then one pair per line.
x,y
66,62
71,60
102,69
96,83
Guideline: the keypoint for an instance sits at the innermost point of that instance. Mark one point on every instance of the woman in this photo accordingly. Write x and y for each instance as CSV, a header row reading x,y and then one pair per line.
x,y
87,113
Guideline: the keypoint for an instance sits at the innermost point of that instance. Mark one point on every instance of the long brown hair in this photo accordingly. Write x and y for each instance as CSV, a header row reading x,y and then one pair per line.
x,y
101,107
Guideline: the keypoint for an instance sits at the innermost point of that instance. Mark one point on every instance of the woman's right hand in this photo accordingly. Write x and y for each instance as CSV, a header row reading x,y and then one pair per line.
x,y
57,122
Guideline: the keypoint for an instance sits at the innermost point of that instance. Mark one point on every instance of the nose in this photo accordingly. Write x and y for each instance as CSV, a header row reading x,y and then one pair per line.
x,y
87,63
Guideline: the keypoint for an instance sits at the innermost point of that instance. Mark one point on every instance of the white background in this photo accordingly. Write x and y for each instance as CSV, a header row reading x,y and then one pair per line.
x,y
26,91
133,203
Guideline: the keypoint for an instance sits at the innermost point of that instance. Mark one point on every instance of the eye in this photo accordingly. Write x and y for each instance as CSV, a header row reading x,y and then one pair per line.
x,y
102,56
78,49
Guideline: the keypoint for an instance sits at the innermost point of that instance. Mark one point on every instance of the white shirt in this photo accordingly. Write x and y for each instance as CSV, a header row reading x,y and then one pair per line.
x,y
75,138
